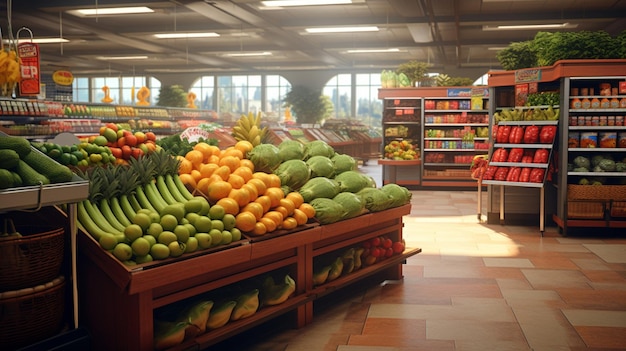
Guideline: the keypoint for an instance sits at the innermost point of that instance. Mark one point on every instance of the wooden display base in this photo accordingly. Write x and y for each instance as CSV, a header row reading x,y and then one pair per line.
x,y
117,302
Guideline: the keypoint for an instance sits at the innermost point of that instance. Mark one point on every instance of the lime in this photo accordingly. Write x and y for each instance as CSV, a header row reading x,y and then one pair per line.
x,y
123,252
155,217
169,222
227,237
108,241
144,259
166,237
192,230
217,224
191,245
229,221
205,208
203,224
176,248
151,238
236,233
204,240
193,205
133,232
154,229
191,217
217,212
159,251
182,233
141,247
216,237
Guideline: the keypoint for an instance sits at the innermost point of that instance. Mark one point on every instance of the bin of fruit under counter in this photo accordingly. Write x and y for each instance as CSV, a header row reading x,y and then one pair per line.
x,y
392,166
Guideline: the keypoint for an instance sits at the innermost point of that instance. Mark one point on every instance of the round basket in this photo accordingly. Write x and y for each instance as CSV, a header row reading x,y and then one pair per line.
x,y
32,259
32,317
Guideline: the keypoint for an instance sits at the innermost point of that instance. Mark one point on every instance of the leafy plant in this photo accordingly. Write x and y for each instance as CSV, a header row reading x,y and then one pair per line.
x,y
172,96
308,105
552,47
414,70
518,55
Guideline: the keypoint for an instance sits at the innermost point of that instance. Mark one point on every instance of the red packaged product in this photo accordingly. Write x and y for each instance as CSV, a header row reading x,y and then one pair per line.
x,y
531,135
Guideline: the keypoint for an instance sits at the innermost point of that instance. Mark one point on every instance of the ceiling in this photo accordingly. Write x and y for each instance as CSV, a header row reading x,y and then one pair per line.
x,y
445,33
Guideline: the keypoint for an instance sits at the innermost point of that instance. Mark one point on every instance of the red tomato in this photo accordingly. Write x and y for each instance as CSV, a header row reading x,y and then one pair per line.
x,y
398,247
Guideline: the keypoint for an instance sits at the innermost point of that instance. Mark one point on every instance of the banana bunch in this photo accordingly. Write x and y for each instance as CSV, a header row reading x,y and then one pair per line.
x,y
9,71
531,114
509,115
248,128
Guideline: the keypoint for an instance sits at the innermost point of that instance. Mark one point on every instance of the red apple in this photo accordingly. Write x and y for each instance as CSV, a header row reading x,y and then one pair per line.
x,y
388,252
386,243
375,241
398,247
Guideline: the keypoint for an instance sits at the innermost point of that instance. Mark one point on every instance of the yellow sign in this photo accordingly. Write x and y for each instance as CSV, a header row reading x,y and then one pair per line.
x,y
63,77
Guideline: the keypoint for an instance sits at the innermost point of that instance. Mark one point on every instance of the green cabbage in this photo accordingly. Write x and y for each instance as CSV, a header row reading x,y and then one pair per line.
x,y
344,163
321,166
352,181
293,173
319,187
326,210
398,194
318,148
291,150
264,157
352,203
582,161
375,199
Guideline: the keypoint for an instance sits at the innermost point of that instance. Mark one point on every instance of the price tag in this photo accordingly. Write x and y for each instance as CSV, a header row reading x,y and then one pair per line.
x,y
194,134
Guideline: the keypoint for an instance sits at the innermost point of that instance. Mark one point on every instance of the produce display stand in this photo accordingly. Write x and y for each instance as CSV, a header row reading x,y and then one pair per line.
x,y
392,166
117,300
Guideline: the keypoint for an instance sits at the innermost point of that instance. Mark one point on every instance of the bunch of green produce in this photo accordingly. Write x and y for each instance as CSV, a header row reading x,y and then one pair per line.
x,y
176,145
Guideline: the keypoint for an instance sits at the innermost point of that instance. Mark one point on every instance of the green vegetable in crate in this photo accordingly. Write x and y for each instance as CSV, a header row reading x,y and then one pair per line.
x,y
9,179
318,148
197,315
293,173
220,314
43,164
168,334
274,294
290,150
8,158
620,167
17,144
265,157
352,203
29,175
352,181
375,199
583,162
327,211
399,194
607,165
596,159
319,187
343,163
247,305
321,166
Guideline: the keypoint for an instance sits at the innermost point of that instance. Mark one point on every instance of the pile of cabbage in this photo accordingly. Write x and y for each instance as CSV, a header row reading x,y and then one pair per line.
x,y
327,180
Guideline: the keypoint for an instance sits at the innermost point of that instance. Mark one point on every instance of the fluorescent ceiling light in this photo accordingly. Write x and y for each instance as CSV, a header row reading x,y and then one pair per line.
x,y
122,57
365,51
103,11
531,26
317,30
285,3
41,40
248,54
186,35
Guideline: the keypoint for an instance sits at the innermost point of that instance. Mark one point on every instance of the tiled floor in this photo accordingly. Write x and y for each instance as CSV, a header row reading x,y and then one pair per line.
x,y
473,287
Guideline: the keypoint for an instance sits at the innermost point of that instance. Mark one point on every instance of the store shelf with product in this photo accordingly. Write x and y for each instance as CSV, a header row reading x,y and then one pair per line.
x,y
567,79
125,299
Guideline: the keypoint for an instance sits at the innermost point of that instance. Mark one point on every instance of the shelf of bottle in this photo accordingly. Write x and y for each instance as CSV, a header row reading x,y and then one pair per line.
x,y
587,110
455,111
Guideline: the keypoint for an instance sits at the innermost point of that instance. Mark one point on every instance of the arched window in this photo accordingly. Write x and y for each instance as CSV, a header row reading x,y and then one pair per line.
x,y
119,88
339,90
204,88
356,96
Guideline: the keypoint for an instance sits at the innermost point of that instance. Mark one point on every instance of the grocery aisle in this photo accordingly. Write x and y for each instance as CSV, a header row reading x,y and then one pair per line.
x,y
474,287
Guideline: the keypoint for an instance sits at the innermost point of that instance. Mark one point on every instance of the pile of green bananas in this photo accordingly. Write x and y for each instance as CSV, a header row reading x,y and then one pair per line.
x,y
532,114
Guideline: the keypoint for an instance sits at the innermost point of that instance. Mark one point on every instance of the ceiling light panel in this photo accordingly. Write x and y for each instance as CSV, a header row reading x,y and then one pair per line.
x,y
324,30
110,11
288,3
186,35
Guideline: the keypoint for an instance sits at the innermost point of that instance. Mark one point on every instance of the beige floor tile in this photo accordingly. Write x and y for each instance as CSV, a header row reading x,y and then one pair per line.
x,y
612,253
483,313
544,327
591,318
547,278
471,330
488,344
508,262
591,264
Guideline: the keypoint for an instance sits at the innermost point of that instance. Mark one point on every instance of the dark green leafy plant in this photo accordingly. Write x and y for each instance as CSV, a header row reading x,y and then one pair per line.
x,y
460,81
308,105
414,70
552,47
172,96
518,55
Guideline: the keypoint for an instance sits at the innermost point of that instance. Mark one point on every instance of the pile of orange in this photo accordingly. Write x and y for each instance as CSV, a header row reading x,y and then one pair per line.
x,y
227,178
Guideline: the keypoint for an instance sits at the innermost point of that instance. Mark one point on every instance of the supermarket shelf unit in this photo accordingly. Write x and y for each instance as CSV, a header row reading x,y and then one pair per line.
x,y
595,128
450,119
561,77
121,301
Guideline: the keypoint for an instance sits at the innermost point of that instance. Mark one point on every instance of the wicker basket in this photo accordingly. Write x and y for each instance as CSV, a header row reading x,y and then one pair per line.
x,y
596,192
29,318
585,209
32,259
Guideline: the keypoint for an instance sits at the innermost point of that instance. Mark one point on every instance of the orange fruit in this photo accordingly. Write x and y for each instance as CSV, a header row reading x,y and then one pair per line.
x,y
231,161
244,146
241,196
245,221
195,156
258,184
275,216
263,176
288,204
244,172
203,184
196,174
230,205
251,190
289,223
265,201
259,229
206,149
274,180
207,169
213,159
300,217
244,162
255,208
187,179
223,172
231,151
283,211
215,178
307,209
275,194
269,223
236,180
185,166
296,198
217,190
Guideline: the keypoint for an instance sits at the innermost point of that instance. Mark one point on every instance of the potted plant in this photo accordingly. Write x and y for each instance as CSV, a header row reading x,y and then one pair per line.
x,y
415,71
308,105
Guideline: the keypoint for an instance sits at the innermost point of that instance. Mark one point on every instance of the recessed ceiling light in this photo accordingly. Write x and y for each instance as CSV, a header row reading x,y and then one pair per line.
x,y
186,35
531,26
248,54
285,3
365,51
42,40
122,57
317,30
103,11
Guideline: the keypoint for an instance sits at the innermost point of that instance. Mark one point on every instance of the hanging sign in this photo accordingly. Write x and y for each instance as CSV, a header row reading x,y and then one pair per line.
x,y
30,83
63,77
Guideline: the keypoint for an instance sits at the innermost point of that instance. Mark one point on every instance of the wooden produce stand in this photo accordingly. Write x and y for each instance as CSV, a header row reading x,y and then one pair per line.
x,y
118,302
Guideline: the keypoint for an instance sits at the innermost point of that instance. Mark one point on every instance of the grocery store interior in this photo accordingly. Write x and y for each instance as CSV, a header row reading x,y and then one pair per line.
x,y
499,164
